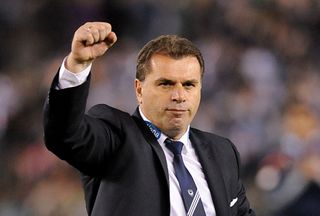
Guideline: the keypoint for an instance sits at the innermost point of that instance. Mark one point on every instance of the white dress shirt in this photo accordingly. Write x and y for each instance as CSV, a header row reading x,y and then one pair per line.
x,y
68,79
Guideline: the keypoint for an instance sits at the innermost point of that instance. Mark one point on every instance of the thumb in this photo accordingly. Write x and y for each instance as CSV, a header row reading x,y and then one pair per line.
x,y
111,39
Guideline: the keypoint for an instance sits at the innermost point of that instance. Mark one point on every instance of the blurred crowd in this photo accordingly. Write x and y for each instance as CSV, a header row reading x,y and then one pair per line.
x,y
261,89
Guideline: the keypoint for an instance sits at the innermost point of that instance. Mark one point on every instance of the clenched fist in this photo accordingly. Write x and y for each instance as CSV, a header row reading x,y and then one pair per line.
x,y
90,41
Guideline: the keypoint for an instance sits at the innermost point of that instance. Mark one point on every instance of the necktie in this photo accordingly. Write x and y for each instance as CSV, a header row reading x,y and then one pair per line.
x,y
189,192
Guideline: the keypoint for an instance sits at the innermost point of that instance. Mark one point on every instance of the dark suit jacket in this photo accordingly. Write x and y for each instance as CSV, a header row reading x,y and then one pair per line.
x,y
123,167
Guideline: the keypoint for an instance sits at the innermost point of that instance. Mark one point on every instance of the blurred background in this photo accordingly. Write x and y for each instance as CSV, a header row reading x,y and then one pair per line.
x,y
261,89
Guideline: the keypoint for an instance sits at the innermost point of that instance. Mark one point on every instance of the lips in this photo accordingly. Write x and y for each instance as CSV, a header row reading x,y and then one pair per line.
x,y
177,110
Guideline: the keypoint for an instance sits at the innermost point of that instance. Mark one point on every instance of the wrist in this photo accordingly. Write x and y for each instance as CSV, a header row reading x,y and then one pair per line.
x,y
75,66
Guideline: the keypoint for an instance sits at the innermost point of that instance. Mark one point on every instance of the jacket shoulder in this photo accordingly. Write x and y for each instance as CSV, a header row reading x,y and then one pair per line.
x,y
210,137
103,111
111,116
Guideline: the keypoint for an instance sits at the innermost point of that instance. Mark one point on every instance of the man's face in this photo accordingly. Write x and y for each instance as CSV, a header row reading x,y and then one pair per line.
x,y
170,94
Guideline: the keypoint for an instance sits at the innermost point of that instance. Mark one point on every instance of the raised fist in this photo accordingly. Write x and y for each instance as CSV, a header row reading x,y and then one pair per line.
x,y
90,41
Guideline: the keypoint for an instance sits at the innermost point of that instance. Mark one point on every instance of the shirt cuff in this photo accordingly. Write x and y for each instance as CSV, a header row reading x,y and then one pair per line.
x,y
67,79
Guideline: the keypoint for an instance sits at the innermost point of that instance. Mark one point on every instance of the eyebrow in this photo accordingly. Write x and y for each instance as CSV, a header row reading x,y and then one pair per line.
x,y
161,80
192,81
164,80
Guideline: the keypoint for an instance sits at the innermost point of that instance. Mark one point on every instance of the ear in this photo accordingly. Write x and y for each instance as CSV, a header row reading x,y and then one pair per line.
x,y
138,90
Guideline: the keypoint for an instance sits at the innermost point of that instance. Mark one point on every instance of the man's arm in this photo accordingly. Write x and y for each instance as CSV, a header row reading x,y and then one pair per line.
x,y
69,133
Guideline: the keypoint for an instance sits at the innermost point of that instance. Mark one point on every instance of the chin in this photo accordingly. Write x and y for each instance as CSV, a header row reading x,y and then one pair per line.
x,y
175,132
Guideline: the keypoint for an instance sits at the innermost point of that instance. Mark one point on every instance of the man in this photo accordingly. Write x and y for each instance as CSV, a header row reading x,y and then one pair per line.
x,y
131,165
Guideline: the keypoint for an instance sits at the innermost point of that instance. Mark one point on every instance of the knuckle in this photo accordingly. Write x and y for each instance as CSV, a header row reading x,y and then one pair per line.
x,y
108,26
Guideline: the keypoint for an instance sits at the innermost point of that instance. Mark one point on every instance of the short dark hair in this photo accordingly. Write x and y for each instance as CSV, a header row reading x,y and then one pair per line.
x,y
171,45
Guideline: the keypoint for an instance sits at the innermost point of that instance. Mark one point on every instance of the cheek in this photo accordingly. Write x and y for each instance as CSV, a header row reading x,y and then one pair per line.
x,y
149,98
152,102
154,97
195,100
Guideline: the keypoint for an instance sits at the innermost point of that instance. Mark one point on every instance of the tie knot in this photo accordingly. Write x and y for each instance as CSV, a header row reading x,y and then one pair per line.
x,y
174,146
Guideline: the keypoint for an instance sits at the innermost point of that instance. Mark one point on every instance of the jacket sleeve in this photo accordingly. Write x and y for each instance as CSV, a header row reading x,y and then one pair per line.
x,y
83,141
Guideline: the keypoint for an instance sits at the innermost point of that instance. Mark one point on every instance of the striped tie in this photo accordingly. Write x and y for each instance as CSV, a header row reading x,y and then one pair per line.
x,y
190,194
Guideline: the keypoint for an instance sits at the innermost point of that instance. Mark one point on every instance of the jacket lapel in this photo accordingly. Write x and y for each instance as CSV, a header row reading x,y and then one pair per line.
x,y
151,139
208,160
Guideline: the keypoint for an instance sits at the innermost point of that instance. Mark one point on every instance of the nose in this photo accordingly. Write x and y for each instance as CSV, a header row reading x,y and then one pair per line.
x,y
178,94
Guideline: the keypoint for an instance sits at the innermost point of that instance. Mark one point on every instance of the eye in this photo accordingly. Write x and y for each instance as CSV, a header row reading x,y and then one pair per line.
x,y
189,85
165,83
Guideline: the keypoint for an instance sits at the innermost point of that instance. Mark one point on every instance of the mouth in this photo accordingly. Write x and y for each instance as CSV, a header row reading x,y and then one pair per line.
x,y
177,111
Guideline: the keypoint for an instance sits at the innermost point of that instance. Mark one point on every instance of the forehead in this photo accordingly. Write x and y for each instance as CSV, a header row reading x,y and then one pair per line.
x,y
163,65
